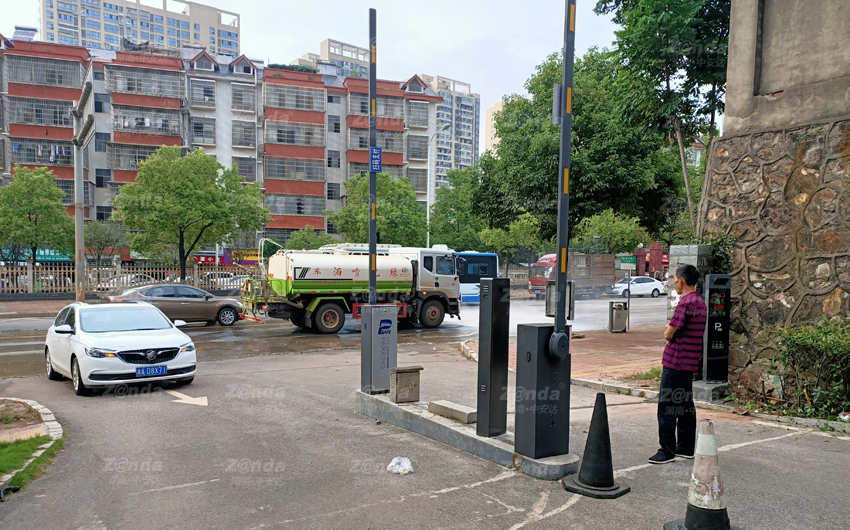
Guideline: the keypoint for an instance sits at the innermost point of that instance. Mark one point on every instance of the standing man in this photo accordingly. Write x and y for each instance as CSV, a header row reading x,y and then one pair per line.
x,y
677,416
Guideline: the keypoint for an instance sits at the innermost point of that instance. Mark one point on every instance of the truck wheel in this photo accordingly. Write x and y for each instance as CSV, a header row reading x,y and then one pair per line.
x,y
328,318
597,293
432,314
538,296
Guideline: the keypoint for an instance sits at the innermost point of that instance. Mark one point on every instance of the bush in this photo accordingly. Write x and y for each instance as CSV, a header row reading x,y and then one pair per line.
x,y
814,361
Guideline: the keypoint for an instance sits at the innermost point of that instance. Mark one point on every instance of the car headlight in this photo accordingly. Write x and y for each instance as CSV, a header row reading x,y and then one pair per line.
x,y
187,347
100,353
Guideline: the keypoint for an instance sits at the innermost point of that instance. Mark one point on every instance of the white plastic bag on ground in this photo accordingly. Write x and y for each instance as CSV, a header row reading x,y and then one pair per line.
x,y
400,465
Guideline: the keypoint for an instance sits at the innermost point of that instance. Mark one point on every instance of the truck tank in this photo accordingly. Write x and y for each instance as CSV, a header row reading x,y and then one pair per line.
x,y
294,273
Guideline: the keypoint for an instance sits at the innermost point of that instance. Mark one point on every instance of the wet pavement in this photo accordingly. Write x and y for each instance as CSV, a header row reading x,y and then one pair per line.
x,y
22,340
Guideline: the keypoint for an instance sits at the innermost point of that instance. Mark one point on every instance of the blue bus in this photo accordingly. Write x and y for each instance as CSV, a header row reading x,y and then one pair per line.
x,y
472,266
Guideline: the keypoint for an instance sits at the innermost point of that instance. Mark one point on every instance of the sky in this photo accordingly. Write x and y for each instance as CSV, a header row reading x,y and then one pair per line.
x,y
494,45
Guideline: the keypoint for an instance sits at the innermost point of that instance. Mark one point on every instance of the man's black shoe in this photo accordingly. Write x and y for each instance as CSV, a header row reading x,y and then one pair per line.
x,y
685,455
661,458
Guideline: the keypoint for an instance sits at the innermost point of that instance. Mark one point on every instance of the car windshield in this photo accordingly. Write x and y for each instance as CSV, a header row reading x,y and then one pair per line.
x,y
129,291
540,272
623,281
122,319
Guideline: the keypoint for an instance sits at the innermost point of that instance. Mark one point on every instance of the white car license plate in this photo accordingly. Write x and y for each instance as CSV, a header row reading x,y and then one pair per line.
x,y
148,371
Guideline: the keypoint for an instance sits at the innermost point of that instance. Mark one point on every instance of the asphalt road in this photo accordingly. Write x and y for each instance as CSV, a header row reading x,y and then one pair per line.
x,y
280,446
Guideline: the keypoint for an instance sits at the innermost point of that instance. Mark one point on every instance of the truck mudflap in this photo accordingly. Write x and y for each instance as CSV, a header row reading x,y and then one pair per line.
x,y
355,310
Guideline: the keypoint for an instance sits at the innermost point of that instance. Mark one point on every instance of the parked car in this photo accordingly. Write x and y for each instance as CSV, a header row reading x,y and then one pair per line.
x,y
640,286
125,280
186,303
99,345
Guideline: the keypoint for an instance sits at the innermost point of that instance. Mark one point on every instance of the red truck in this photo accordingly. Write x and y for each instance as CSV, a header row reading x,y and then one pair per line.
x,y
593,274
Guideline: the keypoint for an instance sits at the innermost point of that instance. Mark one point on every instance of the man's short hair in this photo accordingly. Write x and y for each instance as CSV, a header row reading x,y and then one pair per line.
x,y
689,273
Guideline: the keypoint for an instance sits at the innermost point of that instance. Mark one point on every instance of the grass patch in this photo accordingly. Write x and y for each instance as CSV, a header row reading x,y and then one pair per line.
x,y
654,373
38,466
14,454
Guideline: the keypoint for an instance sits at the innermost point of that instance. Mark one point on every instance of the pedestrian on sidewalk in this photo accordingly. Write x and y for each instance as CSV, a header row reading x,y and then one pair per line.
x,y
677,415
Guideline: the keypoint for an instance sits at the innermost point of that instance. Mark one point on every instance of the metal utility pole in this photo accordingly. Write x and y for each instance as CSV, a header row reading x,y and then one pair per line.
x,y
373,142
82,131
559,343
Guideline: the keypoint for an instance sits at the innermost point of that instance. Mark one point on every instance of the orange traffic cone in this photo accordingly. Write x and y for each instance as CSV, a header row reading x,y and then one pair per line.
x,y
706,498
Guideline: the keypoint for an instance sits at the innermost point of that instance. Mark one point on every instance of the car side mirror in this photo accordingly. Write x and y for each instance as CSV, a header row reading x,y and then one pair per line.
x,y
208,297
179,323
64,329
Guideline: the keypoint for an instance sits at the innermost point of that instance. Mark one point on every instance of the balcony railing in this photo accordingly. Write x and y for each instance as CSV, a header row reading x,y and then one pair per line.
x,y
40,71
296,98
390,141
41,152
146,121
419,178
388,107
243,97
37,111
129,157
288,133
295,204
418,114
295,169
145,81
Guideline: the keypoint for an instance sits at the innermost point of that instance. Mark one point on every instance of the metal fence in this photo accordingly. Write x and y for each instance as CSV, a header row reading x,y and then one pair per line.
x,y
108,280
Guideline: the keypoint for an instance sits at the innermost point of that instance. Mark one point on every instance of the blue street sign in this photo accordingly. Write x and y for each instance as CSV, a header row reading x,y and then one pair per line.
x,y
375,159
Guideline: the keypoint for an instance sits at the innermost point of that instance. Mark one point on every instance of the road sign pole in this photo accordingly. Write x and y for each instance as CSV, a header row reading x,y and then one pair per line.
x,y
373,142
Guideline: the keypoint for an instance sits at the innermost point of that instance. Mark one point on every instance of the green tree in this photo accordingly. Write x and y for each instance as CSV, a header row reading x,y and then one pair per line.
x,y
104,238
520,242
31,212
400,219
308,239
614,164
453,222
609,233
672,56
182,203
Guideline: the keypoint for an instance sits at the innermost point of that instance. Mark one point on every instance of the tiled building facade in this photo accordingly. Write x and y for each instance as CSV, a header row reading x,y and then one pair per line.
x,y
301,134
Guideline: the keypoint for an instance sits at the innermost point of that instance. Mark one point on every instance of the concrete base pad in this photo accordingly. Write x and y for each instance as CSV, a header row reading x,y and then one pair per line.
x,y
572,484
711,392
415,417
680,525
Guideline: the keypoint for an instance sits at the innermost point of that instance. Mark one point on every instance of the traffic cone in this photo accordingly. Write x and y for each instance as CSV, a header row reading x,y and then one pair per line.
x,y
596,476
706,498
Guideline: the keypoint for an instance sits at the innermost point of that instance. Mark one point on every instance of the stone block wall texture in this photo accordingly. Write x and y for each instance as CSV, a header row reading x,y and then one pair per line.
x,y
785,196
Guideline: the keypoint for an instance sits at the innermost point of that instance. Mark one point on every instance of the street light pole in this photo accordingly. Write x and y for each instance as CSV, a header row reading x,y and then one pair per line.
x,y
81,133
431,179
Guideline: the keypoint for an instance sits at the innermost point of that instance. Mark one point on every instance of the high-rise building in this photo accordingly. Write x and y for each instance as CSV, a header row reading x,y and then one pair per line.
x,y
458,123
301,134
102,25
491,139
338,58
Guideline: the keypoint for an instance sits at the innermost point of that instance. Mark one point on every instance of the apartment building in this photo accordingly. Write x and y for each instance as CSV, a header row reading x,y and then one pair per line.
x,y
301,134
344,59
491,139
101,25
458,124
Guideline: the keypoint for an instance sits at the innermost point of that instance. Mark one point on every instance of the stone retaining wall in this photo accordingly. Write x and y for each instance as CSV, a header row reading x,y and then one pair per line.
x,y
785,196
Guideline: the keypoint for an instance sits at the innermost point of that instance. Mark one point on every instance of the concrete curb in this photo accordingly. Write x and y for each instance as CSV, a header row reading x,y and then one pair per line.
x,y
29,314
415,418
51,428
613,388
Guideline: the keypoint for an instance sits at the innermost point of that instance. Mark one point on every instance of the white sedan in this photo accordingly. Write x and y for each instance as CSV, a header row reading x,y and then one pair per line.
x,y
639,286
99,345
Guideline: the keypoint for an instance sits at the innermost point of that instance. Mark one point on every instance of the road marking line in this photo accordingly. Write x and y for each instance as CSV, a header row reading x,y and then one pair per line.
x,y
535,517
183,398
745,444
179,486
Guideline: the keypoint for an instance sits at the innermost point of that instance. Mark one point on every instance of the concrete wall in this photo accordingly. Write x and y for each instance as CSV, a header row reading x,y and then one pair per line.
x,y
789,63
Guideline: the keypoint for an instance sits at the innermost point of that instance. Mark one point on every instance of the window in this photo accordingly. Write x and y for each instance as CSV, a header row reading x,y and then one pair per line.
x,y
290,97
212,40
445,265
244,133
197,27
419,178
102,176
333,191
63,315
428,263
158,38
172,31
334,125
247,167
242,97
295,133
90,13
243,68
203,130
184,24
331,229
224,43
418,113
295,204
70,19
203,64
111,38
48,3
212,49
111,7
67,40
157,28
228,34
100,140
333,158
172,22
93,35
50,36
212,30
197,36
294,169
157,18
203,93
172,42
184,35
190,292
133,33
111,18
145,25
417,147
93,24
334,99
101,102
146,35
